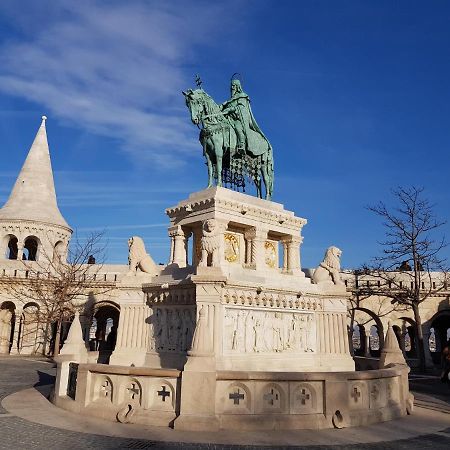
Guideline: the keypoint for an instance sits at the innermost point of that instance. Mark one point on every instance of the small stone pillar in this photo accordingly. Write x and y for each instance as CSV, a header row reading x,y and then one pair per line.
x,y
292,259
257,238
285,255
15,343
426,344
178,246
367,343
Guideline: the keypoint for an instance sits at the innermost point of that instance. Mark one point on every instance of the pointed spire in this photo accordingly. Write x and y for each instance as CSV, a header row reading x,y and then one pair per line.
x,y
391,352
33,196
74,344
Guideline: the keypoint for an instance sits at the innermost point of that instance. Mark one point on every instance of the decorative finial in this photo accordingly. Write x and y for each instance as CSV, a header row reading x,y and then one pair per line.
x,y
198,81
44,118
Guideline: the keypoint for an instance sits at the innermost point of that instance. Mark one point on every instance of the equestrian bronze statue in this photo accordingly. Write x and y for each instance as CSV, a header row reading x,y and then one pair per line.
x,y
234,146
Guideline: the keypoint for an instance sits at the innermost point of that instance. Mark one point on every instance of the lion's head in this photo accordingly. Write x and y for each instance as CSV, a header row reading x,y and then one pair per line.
x,y
333,258
136,248
209,225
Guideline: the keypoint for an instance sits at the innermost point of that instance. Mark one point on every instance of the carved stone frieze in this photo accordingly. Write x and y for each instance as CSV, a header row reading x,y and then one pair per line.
x,y
260,331
175,296
171,329
251,297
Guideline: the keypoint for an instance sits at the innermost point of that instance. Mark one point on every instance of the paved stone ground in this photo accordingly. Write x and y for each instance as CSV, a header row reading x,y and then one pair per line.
x,y
18,434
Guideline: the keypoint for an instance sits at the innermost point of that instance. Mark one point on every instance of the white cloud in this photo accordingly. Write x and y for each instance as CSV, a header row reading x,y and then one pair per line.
x,y
114,68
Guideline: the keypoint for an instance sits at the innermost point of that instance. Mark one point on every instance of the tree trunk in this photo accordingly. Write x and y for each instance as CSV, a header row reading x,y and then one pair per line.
x,y
45,339
419,334
57,338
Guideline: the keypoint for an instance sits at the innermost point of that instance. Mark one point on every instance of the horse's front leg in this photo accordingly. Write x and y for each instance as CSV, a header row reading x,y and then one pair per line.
x,y
206,153
217,140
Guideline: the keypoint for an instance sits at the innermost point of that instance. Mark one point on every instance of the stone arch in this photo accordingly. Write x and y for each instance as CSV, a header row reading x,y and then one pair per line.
x,y
11,246
7,324
31,248
364,329
59,251
358,335
29,342
440,322
409,338
106,316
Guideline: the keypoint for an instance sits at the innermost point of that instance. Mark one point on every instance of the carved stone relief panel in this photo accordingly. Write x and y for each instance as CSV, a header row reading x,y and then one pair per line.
x,y
271,254
262,331
171,329
231,248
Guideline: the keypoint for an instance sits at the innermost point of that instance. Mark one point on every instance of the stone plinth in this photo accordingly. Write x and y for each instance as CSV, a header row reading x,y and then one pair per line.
x,y
235,333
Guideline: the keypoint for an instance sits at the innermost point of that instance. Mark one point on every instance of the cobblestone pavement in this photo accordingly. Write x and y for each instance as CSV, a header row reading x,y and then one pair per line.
x,y
18,434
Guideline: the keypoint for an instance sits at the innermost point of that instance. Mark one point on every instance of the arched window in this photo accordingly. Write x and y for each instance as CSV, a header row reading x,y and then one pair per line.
x,y
59,250
30,249
12,250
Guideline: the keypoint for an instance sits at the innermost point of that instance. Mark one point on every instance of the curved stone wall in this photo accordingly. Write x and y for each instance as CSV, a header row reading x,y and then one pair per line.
x,y
243,400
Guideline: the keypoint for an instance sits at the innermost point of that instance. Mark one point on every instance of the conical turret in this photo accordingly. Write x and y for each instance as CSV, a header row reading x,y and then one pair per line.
x,y
31,224
33,196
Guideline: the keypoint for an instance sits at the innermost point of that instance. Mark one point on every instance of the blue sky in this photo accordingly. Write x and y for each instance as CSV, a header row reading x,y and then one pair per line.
x,y
353,95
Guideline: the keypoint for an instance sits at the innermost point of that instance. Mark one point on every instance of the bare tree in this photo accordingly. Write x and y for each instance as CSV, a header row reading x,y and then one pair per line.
x,y
410,267
59,284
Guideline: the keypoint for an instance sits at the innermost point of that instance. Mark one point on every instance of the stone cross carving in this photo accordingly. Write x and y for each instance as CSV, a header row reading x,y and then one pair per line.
x,y
271,397
105,389
304,396
133,390
356,394
375,391
163,393
236,397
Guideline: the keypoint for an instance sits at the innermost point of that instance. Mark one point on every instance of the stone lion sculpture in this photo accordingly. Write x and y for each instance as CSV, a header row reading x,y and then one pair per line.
x,y
138,258
210,243
330,268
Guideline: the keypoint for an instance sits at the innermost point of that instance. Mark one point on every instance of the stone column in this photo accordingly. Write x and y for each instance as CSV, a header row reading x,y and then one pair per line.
x,y
367,343
292,245
5,330
16,337
258,238
179,246
20,246
132,335
285,255
426,344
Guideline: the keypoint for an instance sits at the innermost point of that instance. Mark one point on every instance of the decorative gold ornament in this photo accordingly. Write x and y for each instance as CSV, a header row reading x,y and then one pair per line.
x,y
270,254
231,247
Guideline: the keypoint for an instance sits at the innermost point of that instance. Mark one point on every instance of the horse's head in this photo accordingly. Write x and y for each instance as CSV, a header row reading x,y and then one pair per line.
x,y
196,100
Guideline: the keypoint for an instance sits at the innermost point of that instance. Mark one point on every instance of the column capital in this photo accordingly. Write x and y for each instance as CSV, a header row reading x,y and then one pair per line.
x,y
292,239
256,233
176,231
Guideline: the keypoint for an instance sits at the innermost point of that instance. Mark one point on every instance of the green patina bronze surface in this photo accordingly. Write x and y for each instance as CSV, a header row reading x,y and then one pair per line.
x,y
234,146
